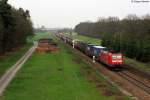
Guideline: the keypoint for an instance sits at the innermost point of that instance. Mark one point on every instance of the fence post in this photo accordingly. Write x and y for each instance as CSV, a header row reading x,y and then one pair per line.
x,y
73,44
93,59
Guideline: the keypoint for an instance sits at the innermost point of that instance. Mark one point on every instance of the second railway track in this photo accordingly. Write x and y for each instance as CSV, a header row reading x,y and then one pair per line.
x,y
135,80
136,92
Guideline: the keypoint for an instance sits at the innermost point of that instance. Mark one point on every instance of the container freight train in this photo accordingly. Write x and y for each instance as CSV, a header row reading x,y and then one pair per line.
x,y
99,53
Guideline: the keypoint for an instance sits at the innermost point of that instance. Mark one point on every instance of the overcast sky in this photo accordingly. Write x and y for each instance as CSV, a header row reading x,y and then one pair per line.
x,y
68,13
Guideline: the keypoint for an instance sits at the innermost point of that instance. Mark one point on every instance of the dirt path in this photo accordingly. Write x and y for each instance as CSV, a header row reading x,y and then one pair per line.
x,y
10,73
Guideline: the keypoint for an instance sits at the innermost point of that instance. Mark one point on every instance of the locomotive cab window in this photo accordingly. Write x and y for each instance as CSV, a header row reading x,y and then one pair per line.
x,y
114,57
119,57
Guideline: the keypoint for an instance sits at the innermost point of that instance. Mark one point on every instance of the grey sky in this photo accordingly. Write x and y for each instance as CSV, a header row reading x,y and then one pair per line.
x,y
68,13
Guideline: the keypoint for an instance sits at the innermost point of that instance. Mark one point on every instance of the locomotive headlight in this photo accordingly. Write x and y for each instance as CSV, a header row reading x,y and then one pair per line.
x,y
114,57
119,57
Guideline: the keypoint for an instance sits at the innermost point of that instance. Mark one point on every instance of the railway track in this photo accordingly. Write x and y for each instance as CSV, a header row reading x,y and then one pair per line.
x,y
136,87
10,73
139,79
135,80
138,72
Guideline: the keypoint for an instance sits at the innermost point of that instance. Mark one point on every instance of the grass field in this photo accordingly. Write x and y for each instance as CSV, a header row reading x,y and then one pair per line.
x,y
85,38
11,58
88,39
140,65
37,36
55,77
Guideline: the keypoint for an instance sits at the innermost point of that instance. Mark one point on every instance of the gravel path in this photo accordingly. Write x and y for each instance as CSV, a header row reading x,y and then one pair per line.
x,y
10,73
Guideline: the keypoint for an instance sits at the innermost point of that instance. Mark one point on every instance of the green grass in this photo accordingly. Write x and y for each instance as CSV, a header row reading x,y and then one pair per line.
x,y
88,39
52,77
85,38
11,58
56,77
38,36
140,65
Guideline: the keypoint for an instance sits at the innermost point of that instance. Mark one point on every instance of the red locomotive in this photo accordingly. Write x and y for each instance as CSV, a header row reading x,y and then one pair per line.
x,y
111,59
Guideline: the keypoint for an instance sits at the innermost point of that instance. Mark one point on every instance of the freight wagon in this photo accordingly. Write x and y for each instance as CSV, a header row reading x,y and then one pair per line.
x,y
96,51
69,40
88,50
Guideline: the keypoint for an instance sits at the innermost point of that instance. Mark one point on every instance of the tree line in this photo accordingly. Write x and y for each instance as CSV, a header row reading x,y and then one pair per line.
x,y
15,26
130,35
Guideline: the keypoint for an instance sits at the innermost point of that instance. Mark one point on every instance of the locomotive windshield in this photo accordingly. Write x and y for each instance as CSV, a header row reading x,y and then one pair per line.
x,y
116,57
